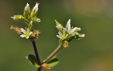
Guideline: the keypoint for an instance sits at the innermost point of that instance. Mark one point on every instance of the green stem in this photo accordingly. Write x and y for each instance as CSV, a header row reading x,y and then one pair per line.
x,y
53,54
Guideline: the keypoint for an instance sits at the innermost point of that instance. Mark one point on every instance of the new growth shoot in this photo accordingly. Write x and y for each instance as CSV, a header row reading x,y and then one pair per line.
x,y
65,35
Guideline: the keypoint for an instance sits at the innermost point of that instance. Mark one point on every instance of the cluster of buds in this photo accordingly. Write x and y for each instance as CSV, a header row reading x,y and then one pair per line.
x,y
28,15
67,33
30,18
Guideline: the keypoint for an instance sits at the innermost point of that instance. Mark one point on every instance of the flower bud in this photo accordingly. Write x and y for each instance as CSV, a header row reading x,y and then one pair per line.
x,y
17,17
34,10
31,23
82,35
46,66
36,20
65,45
35,33
78,36
59,26
18,30
26,10
78,29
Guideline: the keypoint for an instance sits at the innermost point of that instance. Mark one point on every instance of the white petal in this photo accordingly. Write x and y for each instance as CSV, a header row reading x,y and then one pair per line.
x,y
60,25
22,35
58,36
66,35
22,30
68,24
73,29
69,20
30,33
31,22
27,37
36,6
79,29
63,31
57,26
74,33
27,4
36,9
59,33
26,7
28,29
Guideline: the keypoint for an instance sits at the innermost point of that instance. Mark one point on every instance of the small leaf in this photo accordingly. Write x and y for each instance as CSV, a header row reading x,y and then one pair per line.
x,y
32,59
52,62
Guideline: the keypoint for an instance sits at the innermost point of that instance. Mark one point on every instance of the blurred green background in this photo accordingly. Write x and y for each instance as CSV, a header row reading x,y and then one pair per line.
x,y
92,53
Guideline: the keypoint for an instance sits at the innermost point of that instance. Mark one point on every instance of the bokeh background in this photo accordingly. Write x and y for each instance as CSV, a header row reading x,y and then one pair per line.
x,y
92,53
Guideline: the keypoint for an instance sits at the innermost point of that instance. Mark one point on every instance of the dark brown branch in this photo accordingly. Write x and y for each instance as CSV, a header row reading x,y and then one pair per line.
x,y
37,55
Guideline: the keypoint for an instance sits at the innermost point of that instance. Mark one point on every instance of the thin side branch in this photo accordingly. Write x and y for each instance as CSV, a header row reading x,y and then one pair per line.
x,y
53,54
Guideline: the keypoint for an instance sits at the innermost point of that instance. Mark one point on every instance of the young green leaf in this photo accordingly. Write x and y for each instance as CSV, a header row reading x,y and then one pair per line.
x,y
32,59
52,62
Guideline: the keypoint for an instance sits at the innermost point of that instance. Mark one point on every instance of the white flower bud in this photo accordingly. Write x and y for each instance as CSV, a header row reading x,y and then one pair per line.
x,y
82,35
34,10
